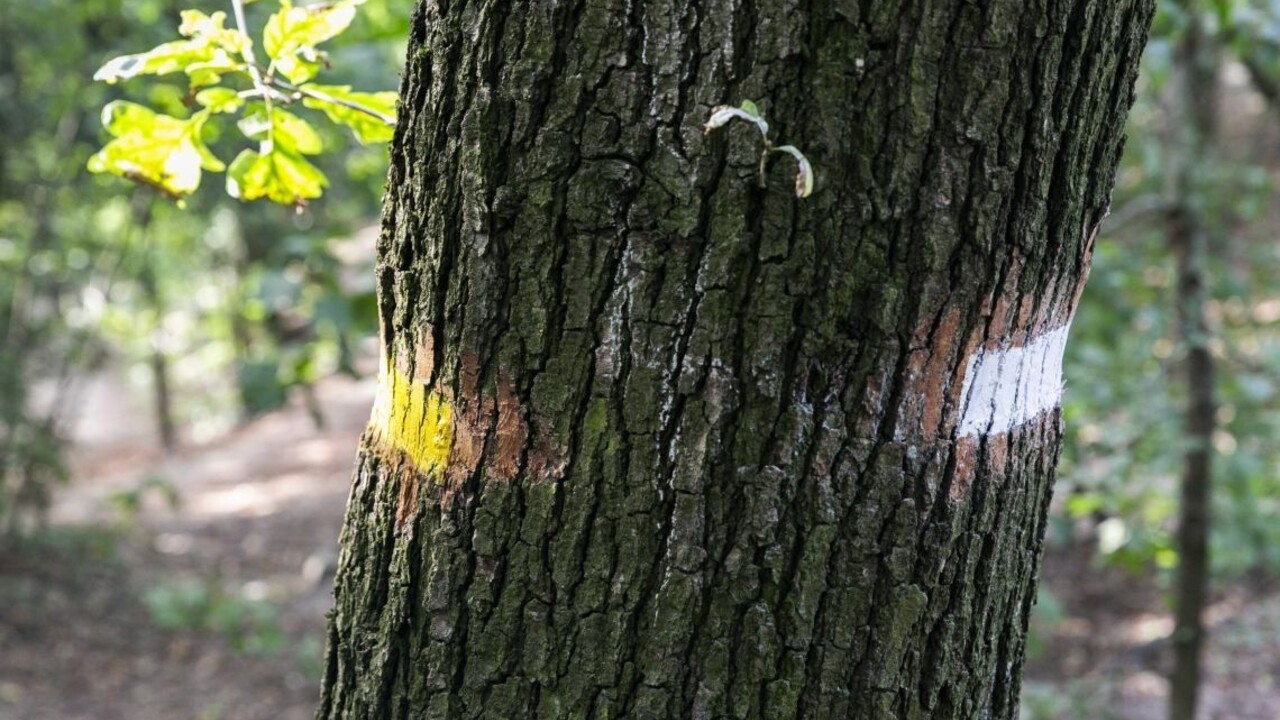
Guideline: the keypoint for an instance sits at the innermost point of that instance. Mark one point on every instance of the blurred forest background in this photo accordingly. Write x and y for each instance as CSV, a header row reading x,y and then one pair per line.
x,y
181,390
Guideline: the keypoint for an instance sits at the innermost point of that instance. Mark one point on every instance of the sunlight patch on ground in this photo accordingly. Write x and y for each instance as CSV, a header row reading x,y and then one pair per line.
x,y
253,499
1147,628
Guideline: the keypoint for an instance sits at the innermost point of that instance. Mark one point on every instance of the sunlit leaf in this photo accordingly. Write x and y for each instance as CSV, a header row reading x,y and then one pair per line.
x,y
219,99
369,124
255,124
277,175
294,133
282,128
161,151
167,58
197,25
210,72
301,66
291,35
207,52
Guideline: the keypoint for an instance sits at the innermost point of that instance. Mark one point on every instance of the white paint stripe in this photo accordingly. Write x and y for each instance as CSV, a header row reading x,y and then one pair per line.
x,y
1007,388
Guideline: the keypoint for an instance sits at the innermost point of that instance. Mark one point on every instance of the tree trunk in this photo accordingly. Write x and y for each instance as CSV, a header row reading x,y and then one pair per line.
x,y
162,396
1189,241
654,441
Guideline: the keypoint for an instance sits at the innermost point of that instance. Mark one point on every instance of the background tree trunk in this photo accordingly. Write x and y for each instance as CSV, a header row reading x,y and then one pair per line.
x,y
1189,240
656,442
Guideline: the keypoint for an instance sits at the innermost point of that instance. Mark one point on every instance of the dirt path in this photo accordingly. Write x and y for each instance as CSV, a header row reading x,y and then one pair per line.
x,y
1102,648
212,610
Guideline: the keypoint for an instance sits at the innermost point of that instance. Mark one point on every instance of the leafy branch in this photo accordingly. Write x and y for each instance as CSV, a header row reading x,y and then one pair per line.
x,y
748,112
224,77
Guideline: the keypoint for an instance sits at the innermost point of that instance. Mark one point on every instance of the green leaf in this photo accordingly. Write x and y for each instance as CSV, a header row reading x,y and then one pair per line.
x,y
208,52
294,133
302,65
219,99
202,74
158,150
284,129
369,124
291,35
276,174
210,28
162,60
255,124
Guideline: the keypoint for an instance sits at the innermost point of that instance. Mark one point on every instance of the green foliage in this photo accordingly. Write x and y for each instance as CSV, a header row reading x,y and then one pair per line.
x,y
1046,615
249,624
309,656
1125,389
48,242
92,277
291,36
128,503
168,153
162,152
1076,701
280,174
72,549
209,51
337,101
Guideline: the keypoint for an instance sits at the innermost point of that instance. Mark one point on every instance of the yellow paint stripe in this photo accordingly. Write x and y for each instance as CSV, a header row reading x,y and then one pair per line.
x,y
413,420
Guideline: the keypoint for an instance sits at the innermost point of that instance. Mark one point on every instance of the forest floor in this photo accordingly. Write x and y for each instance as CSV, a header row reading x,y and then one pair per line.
x,y
130,607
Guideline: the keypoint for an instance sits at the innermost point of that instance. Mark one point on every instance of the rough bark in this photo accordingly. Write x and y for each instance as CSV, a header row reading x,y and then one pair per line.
x,y
656,442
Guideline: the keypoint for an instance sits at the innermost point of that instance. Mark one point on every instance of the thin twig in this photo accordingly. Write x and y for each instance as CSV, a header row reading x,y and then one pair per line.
x,y
325,97
237,7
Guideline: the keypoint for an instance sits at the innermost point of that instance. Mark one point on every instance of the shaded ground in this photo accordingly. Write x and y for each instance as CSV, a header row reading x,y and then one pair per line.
x,y
1104,652
214,610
